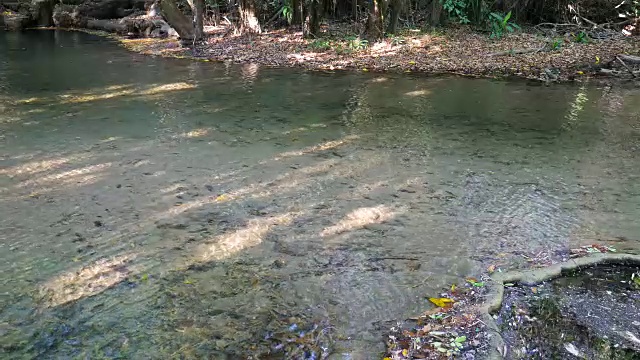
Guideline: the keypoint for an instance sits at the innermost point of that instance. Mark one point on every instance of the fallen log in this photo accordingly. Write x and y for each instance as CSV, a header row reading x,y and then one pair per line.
x,y
517,51
629,58
107,25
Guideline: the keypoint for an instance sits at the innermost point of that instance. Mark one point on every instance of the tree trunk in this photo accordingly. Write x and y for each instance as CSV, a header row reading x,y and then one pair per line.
x,y
249,17
197,9
354,10
435,15
177,20
395,7
374,23
313,18
296,19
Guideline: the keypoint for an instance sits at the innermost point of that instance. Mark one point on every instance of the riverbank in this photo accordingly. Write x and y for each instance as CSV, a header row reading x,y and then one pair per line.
x,y
458,51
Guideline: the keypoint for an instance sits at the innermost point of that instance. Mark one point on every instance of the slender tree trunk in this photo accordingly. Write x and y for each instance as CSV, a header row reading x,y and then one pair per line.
x,y
296,19
374,23
354,9
435,15
197,9
177,20
249,17
395,7
313,18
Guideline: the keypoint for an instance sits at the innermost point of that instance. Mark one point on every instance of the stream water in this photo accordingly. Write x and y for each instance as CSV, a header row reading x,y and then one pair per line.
x,y
155,208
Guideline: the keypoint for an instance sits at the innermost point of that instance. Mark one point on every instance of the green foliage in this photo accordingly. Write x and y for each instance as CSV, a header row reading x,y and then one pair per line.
x,y
355,43
457,9
500,25
287,12
581,37
556,44
320,44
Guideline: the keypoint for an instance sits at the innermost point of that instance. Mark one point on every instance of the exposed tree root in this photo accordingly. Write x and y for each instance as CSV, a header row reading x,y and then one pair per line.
x,y
495,296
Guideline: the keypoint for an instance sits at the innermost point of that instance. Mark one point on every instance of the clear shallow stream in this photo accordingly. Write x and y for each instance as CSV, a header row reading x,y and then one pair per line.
x,y
156,208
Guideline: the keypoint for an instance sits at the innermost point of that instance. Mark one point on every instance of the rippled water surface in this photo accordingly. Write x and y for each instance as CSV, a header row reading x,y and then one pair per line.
x,y
155,208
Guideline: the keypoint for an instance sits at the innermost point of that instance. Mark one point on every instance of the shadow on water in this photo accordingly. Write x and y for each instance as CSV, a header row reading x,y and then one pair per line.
x,y
168,209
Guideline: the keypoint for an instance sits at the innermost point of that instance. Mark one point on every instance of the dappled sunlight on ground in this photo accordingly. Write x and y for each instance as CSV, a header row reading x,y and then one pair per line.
x,y
86,281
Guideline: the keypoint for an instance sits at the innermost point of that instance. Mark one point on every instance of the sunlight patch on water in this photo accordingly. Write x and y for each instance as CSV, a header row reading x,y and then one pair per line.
x,y
418,93
316,148
361,217
228,244
67,176
87,281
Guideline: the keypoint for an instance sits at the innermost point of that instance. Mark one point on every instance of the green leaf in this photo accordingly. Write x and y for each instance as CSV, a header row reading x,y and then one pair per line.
x,y
461,339
506,18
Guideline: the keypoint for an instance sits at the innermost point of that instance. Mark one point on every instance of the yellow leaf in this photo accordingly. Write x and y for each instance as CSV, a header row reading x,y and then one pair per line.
x,y
405,352
387,358
491,269
222,197
453,287
442,302
188,281
412,62
365,69
580,72
597,60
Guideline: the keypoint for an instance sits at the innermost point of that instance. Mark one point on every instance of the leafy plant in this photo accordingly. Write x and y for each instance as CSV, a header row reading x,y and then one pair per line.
x,y
320,44
457,9
356,43
581,37
500,25
556,44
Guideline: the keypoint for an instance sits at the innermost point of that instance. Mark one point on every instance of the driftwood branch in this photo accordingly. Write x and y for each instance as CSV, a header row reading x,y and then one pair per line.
x,y
626,66
517,51
629,58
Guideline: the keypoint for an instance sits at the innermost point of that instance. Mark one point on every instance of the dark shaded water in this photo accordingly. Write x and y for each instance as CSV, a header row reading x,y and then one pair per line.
x,y
154,208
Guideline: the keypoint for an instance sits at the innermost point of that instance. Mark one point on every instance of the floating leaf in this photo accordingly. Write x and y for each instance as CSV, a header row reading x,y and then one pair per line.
x,y
442,302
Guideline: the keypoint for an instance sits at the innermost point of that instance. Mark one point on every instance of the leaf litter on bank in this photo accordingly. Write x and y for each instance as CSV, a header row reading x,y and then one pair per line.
x,y
453,328
456,50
